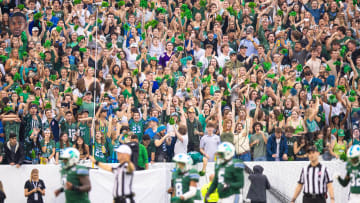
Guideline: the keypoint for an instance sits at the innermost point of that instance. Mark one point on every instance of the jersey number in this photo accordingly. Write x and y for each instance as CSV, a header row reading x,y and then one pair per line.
x,y
221,175
178,189
355,182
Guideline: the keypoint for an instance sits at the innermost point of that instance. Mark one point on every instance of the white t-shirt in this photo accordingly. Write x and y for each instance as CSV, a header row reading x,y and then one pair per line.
x,y
181,147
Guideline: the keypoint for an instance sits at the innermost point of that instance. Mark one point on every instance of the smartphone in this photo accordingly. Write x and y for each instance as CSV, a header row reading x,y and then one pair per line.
x,y
63,104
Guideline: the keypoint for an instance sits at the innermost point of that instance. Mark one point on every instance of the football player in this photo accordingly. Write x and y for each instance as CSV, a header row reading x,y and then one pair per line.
x,y
184,180
229,174
352,174
75,178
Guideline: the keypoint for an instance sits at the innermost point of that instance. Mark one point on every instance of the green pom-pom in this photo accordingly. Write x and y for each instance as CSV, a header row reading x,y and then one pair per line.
x,y
353,93
247,81
121,3
18,90
282,79
3,58
252,5
347,69
109,45
47,44
292,13
254,85
138,26
271,75
36,102
48,105
53,77
166,77
42,55
351,99
343,157
343,51
220,70
179,48
280,12
37,16
21,6
280,117
135,71
184,7
182,36
199,64
16,77
77,2
267,66
126,27
79,101
58,29
231,11
83,50
152,5
80,38
38,84
223,103
90,38
298,79
7,109
263,98
49,24
337,63
284,51
99,21
158,79
171,121
203,3
332,99
143,35
105,4
76,27
229,77
219,18
188,90
226,92
327,68
161,10
341,88
299,68
256,67
68,90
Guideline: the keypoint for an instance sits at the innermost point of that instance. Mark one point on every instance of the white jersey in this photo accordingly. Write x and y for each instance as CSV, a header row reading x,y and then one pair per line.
x,y
123,181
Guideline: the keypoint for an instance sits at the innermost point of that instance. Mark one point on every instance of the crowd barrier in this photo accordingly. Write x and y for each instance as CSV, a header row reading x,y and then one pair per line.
x,y
151,185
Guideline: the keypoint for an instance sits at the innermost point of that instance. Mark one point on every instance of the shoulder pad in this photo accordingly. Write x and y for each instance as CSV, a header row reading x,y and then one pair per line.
x,y
239,165
82,171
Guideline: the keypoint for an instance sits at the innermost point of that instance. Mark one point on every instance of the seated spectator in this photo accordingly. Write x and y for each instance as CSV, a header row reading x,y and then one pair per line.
x,y
14,152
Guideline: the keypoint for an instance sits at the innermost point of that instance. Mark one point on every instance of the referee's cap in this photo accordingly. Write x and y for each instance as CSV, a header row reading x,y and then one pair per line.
x,y
311,148
124,149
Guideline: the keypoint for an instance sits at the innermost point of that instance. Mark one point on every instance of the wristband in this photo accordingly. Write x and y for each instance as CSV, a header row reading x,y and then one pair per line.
x,y
96,162
62,189
75,188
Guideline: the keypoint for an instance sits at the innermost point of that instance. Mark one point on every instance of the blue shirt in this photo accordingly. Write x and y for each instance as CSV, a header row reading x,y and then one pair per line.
x,y
150,132
250,46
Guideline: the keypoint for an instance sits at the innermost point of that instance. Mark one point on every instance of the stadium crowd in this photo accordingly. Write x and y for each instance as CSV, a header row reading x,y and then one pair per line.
x,y
178,76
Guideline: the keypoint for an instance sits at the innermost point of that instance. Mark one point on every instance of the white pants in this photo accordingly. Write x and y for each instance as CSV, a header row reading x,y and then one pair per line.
x,y
354,198
231,199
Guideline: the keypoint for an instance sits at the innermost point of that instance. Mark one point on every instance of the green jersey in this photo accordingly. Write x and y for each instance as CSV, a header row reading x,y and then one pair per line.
x,y
230,173
352,176
70,129
84,132
137,128
181,184
49,148
72,175
100,152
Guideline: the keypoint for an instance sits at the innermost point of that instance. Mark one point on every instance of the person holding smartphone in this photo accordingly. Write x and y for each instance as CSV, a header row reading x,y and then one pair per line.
x,y
34,188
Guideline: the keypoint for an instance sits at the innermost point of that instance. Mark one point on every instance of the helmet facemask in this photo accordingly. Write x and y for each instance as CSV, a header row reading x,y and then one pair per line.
x,y
354,161
181,166
220,157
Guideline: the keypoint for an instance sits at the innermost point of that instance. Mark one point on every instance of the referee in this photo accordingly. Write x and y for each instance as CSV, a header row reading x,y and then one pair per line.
x,y
315,180
124,173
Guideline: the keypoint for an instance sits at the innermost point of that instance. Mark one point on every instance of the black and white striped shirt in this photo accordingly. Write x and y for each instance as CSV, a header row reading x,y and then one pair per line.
x,y
315,179
123,181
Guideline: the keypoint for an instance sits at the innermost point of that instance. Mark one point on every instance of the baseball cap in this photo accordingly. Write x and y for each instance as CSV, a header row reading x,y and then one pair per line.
x,y
174,114
154,119
249,29
243,47
232,52
191,110
35,29
124,149
88,92
160,128
311,149
133,45
341,133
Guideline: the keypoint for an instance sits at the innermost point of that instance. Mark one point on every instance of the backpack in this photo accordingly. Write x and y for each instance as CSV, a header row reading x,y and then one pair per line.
x,y
134,152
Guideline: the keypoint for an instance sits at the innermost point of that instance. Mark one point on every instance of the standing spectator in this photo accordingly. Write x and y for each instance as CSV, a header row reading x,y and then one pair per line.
x,y
276,146
182,140
34,188
83,148
194,130
14,152
161,141
142,160
258,142
241,143
153,126
150,147
209,142
300,146
48,147
320,183
259,185
63,143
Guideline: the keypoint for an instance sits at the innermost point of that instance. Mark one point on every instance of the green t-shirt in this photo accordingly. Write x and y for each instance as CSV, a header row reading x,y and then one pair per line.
x,y
84,132
72,175
227,137
290,143
69,128
230,173
143,156
89,107
137,128
11,127
181,183
260,148
110,147
49,148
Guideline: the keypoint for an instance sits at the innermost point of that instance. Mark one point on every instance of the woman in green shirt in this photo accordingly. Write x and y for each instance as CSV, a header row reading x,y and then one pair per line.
x,y
100,152
48,147
340,146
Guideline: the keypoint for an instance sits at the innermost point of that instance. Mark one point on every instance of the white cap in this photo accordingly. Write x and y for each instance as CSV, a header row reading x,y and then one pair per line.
x,y
124,149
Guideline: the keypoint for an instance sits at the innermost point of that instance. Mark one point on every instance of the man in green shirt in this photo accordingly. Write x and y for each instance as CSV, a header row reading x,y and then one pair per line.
x,y
143,160
87,104
69,127
76,181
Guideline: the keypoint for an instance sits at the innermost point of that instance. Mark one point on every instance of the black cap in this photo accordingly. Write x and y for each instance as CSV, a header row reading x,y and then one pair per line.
x,y
243,47
12,135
